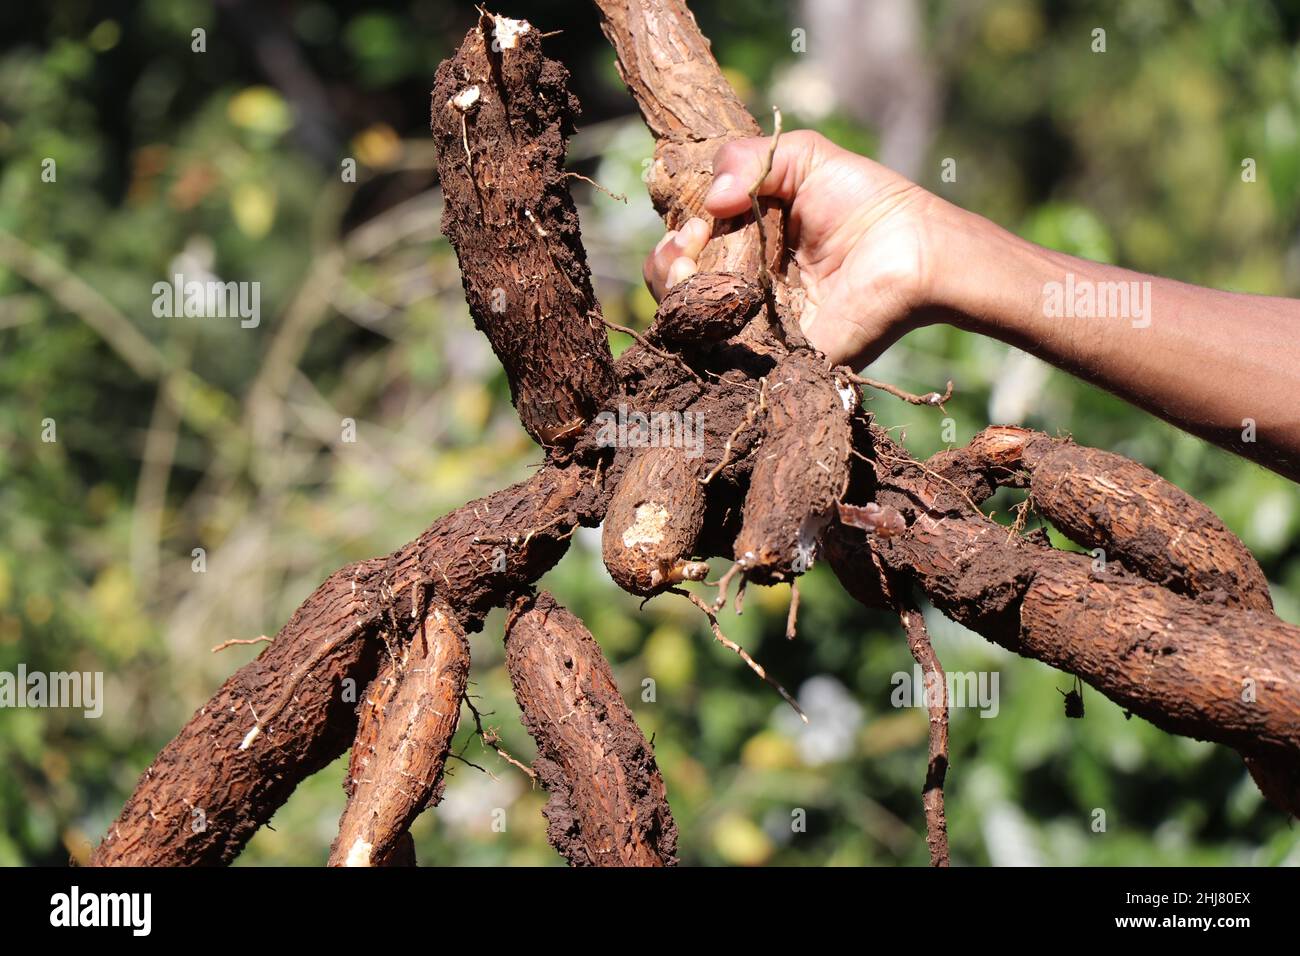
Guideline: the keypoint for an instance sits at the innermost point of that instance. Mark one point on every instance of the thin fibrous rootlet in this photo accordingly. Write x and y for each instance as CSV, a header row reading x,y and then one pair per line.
x,y
792,469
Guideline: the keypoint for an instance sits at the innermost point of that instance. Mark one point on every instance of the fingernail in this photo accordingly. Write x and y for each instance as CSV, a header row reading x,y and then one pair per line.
x,y
721,185
682,268
668,237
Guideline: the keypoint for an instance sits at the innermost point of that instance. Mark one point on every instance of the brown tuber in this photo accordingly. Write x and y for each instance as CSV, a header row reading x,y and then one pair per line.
x,y
608,805
705,308
408,716
502,113
653,522
801,471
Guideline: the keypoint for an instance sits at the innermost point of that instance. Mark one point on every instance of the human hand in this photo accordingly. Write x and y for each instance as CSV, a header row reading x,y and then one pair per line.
x,y
859,233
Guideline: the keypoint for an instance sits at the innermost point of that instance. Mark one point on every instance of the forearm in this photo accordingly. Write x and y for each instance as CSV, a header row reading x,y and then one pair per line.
x,y
1221,365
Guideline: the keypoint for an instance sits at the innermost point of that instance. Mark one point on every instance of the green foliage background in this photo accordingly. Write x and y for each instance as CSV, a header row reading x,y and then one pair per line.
x,y
229,160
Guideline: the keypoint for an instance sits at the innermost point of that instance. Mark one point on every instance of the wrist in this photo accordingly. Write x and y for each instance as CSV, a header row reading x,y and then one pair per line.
x,y
983,278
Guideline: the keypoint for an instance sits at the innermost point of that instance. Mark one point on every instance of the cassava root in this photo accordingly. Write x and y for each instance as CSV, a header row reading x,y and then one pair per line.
x,y
795,470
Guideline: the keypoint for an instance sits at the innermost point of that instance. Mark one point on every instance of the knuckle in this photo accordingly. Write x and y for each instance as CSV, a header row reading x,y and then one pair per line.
x,y
733,154
807,138
809,144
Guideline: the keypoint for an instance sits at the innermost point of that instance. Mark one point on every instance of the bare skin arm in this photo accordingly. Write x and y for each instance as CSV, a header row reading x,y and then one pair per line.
x,y
880,256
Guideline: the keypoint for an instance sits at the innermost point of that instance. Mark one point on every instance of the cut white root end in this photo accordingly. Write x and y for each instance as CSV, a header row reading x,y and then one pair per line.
x,y
507,32
466,99
647,527
847,395
680,571
359,855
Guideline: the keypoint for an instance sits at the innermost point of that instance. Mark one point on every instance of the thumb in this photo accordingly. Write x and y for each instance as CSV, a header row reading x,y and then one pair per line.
x,y
738,164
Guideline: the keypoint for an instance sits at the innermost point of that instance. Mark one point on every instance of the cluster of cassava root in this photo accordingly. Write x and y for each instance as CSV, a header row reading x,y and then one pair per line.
x,y
1175,624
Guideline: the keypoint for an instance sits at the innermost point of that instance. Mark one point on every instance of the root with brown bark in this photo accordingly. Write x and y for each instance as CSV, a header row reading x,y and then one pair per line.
x,y
790,469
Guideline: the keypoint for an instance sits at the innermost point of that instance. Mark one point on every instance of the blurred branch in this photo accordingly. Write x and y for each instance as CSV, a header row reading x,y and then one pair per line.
x,y
192,399
318,292
151,488
74,294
